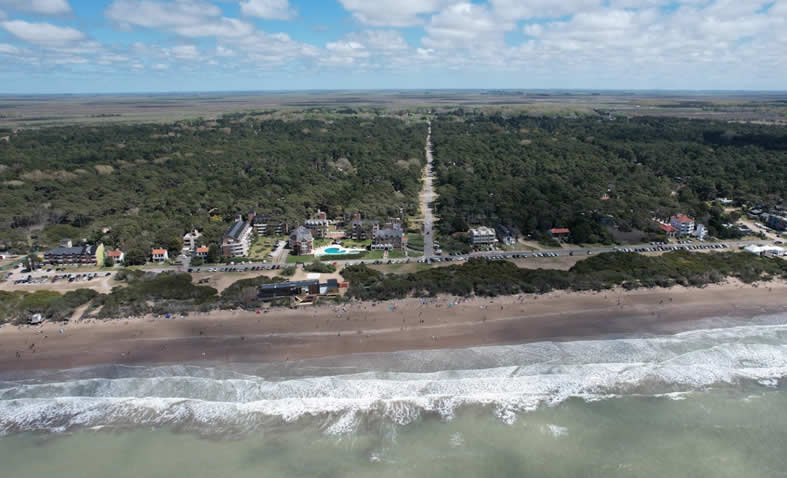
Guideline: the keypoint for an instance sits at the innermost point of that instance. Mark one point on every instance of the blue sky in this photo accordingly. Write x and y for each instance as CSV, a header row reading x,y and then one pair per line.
x,y
105,46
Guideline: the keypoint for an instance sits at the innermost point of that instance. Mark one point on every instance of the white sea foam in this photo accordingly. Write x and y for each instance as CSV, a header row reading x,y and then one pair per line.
x,y
521,379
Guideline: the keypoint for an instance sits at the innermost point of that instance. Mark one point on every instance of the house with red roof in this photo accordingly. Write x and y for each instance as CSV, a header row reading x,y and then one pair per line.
x,y
683,224
116,255
159,255
202,251
560,233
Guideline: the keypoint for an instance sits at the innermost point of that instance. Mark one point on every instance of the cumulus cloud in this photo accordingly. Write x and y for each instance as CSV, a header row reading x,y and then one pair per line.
x,y
156,14
401,13
465,25
42,33
42,7
268,9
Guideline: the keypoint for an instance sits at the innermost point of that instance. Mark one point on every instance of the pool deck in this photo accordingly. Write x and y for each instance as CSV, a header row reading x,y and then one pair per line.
x,y
322,251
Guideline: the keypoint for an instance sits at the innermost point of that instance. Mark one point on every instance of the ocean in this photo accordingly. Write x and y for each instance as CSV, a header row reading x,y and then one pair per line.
x,y
705,402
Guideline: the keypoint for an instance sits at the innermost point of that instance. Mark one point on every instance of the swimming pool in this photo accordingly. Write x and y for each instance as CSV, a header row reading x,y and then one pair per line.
x,y
334,250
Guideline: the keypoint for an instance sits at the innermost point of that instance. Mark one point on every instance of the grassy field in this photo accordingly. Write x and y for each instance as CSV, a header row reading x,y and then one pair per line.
x,y
261,247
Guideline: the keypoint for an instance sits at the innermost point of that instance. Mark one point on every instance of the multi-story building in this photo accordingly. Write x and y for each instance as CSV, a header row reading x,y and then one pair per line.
x,y
363,230
301,242
190,240
268,225
482,236
683,224
237,239
318,227
67,253
505,234
202,252
390,237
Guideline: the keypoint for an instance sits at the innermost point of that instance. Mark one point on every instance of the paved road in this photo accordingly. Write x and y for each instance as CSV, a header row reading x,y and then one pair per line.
x,y
427,198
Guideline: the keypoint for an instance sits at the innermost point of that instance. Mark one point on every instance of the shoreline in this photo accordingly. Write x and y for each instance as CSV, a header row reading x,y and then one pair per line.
x,y
324,331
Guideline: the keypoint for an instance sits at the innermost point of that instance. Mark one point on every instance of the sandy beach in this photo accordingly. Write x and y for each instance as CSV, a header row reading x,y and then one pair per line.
x,y
331,330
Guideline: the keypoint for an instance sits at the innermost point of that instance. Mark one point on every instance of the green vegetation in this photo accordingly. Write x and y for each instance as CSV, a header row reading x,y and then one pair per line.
x,y
18,306
600,178
321,267
415,242
490,278
145,293
150,183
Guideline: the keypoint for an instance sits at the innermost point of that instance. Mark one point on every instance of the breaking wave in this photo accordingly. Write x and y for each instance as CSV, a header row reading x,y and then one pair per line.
x,y
403,387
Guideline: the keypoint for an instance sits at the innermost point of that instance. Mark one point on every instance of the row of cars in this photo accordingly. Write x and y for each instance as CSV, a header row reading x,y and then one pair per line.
x,y
45,279
264,267
687,245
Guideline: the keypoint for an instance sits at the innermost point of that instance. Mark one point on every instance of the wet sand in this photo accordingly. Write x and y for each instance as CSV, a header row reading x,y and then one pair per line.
x,y
284,334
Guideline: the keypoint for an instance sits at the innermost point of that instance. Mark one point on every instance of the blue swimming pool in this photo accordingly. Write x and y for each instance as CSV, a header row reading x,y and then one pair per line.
x,y
335,250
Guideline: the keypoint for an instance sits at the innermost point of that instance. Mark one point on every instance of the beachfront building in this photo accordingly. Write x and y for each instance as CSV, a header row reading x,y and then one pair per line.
x,y
67,253
190,240
202,252
301,242
482,236
280,290
159,255
237,239
683,224
700,232
505,234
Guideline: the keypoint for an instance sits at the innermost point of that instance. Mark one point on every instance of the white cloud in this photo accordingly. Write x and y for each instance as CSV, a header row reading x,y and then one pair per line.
x,y
161,66
465,25
42,33
43,7
183,52
400,13
224,52
156,14
2,15
269,9
224,28
7,49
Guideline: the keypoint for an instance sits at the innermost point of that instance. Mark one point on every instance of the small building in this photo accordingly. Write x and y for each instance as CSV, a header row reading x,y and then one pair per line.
x,y
301,242
202,252
159,255
763,250
777,222
668,229
35,319
700,232
237,239
559,233
683,224
190,240
116,255
68,254
506,235
482,236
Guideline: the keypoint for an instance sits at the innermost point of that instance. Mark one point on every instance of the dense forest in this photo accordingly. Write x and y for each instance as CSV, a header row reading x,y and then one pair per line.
x,y
148,184
600,176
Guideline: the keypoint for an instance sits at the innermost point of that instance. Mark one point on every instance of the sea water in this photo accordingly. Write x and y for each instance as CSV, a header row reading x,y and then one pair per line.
x,y
707,402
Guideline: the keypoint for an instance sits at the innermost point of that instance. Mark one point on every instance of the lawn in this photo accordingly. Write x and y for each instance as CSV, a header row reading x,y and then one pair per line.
x,y
261,247
396,254
415,242
350,244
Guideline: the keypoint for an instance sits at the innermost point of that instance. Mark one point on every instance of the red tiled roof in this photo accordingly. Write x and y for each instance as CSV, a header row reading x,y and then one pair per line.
x,y
682,218
115,253
560,230
203,249
667,227
159,252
